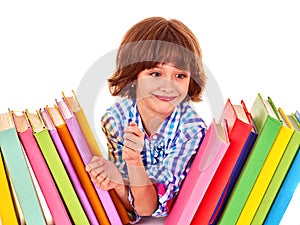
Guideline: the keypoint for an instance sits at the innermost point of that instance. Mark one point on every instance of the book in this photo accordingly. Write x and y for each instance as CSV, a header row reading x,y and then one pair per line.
x,y
46,211
237,168
41,170
75,107
12,150
267,170
66,161
297,115
7,209
267,126
239,128
86,156
204,166
56,168
290,216
281,171
78,163
286,190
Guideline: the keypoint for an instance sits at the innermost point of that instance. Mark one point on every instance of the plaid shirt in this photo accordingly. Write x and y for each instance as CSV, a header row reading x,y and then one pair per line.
x,y
167,154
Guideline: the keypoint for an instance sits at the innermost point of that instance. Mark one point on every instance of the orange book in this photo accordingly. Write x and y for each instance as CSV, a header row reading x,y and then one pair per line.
x,y
78,164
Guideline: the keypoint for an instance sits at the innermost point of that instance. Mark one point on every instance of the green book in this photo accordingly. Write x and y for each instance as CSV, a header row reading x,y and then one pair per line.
x,y
57,169
268,125
281,171
13,155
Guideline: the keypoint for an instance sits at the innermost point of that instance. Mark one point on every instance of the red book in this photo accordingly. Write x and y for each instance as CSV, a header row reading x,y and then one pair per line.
x,y
239,128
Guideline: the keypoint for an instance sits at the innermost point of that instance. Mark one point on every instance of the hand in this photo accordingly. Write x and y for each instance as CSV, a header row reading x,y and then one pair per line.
x,y
104,173
134,137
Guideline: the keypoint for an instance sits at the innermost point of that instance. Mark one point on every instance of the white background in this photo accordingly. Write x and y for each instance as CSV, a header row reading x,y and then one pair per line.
x,y
47,46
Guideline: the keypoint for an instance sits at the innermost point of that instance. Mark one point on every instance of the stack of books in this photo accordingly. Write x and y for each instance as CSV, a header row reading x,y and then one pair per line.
x,y
245,171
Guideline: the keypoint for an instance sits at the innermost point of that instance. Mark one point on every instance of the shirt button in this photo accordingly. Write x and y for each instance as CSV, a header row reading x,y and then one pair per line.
x,y
154,136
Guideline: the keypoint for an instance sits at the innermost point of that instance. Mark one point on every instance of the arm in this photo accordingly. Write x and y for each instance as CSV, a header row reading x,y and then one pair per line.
x,y
141,187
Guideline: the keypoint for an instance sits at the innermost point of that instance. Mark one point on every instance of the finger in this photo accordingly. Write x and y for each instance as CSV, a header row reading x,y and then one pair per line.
x,y
135,130
131,137
94,165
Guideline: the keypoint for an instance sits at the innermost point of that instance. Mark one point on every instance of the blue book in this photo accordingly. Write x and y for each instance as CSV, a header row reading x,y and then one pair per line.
x,y
285,193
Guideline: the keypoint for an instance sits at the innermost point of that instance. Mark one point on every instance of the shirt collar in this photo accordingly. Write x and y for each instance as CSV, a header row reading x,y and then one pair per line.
x,y
167,128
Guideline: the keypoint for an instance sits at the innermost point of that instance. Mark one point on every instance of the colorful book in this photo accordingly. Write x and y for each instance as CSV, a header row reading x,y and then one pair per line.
x,y
281,171
75,107
291,214
286,190
205,164
86,156
297,115
41,170
267,171
7,209
78,164
237,168
239,128
57,169
46,211
20,176
69,167
268,126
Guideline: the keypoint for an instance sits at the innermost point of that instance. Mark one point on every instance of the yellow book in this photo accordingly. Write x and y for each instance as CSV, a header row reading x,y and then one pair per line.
x,y
7,210
267,171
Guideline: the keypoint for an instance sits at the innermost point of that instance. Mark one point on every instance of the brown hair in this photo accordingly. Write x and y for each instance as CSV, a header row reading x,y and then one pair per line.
x,y
153,41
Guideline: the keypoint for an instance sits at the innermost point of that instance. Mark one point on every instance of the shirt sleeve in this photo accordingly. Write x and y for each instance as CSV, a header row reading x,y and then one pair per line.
x,y
170,173
114,135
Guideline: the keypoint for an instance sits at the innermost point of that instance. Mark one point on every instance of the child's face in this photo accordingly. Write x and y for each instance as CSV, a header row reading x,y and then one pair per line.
x,y
161,88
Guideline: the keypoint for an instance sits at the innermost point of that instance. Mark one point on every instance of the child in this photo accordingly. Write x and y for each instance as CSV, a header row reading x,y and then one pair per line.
x,y
152,131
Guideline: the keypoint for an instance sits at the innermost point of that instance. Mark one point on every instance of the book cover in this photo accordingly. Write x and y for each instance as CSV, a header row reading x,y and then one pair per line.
x,y
239,128
237,168
57,169
46,211
7,209
41,170
86,156
66,161
204,166
267,171
291,214
78,163
286,191
75,107
281,171
297,115
267,126
20,176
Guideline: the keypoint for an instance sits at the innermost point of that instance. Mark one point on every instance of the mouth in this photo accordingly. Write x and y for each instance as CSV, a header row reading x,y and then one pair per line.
x,y
165,98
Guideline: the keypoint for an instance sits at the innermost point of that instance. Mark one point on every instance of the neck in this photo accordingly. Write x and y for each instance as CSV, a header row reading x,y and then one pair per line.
x,y
151,121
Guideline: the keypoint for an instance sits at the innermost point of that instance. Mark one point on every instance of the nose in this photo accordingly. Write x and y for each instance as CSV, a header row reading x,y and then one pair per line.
x,y
167,84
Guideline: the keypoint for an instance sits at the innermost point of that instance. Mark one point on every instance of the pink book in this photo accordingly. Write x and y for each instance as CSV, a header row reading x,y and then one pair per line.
x,y
69,168
204,166
86,156
41,170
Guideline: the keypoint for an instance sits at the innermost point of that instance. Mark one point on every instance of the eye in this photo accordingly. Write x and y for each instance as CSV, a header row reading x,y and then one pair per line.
x,y
155,74
181,76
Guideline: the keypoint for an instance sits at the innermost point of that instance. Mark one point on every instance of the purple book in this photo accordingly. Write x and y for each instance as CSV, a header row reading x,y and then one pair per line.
x,y
86,156
69,168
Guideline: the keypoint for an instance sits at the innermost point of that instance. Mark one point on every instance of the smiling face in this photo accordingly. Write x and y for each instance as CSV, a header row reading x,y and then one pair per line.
x,y
160,89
